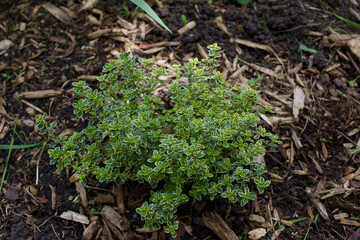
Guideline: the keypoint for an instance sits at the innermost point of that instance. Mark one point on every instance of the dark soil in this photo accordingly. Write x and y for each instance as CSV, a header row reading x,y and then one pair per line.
x,y
44,56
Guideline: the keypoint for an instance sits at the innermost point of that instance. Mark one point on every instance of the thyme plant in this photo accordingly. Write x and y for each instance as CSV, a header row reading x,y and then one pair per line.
x,y
212,135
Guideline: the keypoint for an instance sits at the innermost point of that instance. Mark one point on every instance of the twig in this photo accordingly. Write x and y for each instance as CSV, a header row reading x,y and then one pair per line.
x,y
55,232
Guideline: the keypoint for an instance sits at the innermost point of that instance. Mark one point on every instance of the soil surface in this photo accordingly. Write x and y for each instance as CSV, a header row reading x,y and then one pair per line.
x,y
298,48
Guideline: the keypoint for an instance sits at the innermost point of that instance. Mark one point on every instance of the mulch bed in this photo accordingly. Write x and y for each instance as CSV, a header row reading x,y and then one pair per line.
x,y
314,94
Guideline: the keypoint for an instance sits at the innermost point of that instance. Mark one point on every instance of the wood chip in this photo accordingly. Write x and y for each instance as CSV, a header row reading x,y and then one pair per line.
x,y
341,215
296,139
349,222
218,226
257,233
318,205
57,13
125,24
252,44
88,77
88,4
118,191
118,224
38,94
98,33
90,232
219,22
256,218
53,197
80,189
202,52
74,216
299,101
190,25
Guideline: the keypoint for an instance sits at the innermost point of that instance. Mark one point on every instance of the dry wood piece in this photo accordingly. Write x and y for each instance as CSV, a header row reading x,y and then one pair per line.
x,y
118,224
80,188
299,101
88,4
318,205
118,191
257,233
38,94
218,226
90,231
252,44
296,139
57,13
104,199
74,216
98,33
354,45
219,22
53,197
190,25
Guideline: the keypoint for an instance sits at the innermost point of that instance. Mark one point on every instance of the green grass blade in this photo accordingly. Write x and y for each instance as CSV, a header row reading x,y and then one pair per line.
x,y
347,21
7,162
144,6
11,146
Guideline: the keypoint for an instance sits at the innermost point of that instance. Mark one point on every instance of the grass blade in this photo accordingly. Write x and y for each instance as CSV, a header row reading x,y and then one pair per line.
x,y
144,6
11,146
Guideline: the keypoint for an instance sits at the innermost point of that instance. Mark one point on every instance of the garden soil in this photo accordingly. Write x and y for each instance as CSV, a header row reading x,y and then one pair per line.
x,y
300,53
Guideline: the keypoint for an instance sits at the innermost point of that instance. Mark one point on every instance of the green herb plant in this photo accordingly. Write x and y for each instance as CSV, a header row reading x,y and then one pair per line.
x,y
203,145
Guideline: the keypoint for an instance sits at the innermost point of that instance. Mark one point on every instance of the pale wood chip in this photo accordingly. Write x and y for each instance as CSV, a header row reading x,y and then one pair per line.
x,y
98,33
190,25
53,197
74,178
277,233
93,20
349,222
318,205
74,216
218,226
282,120
202,52
38,94
88,78
355,13
286,223
256,218
80,189
257,233
88,4
324,150
354,45
219,22
252,44
142,28
153,50
314,34
126,24
299,101
296,139
353,132
329,69
296,69
57,13
264,70
341,216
